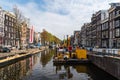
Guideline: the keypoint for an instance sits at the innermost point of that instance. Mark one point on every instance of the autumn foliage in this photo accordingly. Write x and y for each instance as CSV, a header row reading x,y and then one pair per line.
x,y
48,38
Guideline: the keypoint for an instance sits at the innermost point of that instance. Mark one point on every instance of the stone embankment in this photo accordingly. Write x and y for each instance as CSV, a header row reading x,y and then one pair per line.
x,y
16,55
108,63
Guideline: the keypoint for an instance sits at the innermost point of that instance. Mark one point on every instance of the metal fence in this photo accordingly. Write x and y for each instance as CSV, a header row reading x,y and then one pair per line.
x,y
106,52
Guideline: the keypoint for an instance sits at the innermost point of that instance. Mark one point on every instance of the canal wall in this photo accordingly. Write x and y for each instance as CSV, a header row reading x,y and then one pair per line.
x,y
18,56
110,64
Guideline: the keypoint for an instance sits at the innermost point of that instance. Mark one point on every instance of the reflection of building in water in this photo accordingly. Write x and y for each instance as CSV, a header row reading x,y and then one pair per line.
x,y
15,71
58,68
80,68
69,74
23,68
34,59
31,62
83,70
62,75
10,72
64,72
19,70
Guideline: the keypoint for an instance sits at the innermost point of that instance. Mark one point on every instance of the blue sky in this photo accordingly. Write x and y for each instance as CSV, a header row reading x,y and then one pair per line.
x,y
60,17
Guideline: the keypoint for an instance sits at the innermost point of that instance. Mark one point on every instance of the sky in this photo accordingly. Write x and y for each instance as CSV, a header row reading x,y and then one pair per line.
x,y
59,17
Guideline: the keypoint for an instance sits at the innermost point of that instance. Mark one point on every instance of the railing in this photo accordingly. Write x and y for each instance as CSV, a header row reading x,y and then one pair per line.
x,y
107,52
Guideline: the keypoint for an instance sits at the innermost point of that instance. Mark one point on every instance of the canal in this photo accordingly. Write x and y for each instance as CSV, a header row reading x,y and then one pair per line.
x,y
40,67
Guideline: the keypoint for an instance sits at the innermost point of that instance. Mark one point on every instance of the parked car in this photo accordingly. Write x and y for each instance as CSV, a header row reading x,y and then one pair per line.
x,y
32,46
5,49
8,46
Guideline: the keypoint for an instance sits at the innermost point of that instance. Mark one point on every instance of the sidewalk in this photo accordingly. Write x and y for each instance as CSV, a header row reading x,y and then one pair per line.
x,y
15,52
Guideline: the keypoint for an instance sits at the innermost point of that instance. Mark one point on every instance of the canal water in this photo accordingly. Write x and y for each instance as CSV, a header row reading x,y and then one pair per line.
x,y
40,67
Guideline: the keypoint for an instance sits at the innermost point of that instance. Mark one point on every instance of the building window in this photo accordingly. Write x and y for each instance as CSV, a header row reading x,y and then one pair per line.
x,y
102,26
12,20
1,29
12,23
113,13
110,16
9,23
9,35
118,43
9,29
12,30
104,34
106,25
9,18
117,23
110,25
6,28
114,43
6,17
107,34
118,12
117,32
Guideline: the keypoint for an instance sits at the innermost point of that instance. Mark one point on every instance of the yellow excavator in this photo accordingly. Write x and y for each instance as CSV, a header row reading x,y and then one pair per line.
x,y
77,54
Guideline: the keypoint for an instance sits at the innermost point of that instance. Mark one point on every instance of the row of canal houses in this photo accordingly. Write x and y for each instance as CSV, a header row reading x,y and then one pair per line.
x,y
103,31
14,36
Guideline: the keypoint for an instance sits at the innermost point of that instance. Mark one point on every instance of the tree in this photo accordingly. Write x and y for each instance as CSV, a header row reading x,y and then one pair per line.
x,y
19,19
48,37
44,36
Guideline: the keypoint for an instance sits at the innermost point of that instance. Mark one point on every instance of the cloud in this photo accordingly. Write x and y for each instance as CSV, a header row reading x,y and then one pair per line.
x,y
60,17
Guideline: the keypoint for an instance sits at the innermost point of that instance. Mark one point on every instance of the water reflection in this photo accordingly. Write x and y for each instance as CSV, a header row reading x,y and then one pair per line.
x,y
64,74
75,72
80,68
17,70
46,56
40,67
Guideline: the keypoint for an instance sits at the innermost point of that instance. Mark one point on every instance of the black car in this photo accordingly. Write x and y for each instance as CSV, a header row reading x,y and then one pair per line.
x,y
32,46
4,49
